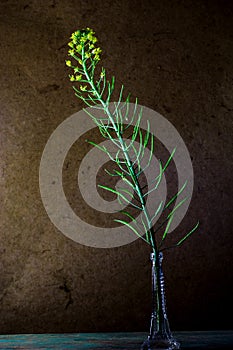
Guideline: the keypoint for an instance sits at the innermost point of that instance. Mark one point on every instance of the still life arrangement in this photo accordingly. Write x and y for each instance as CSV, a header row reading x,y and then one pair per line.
x,y
122,127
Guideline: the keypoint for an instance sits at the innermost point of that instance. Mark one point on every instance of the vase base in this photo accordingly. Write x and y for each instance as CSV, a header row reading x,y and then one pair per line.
x,y
160,344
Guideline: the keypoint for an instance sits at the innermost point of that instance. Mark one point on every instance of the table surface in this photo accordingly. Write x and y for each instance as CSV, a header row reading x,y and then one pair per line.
x,y
119,341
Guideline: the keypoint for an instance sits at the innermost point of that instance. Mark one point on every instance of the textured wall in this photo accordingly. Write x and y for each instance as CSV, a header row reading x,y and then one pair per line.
x,y
177,58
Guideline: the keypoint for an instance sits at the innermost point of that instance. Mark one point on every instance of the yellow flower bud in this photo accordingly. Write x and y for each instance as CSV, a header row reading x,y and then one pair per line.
x,y
72,78
78,77
83,88
96,57
68,63
79,48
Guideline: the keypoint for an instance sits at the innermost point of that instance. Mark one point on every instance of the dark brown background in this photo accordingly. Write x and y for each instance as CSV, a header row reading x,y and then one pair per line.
x,y
177,58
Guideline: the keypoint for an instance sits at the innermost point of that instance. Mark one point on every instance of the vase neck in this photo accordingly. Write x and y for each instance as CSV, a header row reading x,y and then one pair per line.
x,y
159,320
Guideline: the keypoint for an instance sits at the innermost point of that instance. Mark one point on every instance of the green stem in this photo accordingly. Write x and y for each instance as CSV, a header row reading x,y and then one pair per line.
x,y
127,158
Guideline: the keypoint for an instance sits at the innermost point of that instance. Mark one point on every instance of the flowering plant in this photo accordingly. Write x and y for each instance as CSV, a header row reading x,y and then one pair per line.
x,y
96,92
92,87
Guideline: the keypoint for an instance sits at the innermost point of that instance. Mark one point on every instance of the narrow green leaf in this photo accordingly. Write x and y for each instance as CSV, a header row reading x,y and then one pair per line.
x,y
128,214
188,234
120,127
126,191
123,111
151,149
169,159
176,195
158,182
133,116
147,136
109,173
120,174
135,221
145,229
103,85
157,211
113,83
167,227
95,120
130,184
101,148
120,195
177,206
132,228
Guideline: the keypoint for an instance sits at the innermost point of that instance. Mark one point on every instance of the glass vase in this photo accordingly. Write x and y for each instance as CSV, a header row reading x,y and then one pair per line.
x,y
160,336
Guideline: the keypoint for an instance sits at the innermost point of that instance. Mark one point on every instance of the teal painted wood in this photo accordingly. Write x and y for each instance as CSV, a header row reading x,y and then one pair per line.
x,y
217,340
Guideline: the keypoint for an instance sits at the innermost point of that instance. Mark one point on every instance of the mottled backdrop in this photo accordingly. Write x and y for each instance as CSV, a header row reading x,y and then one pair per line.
x,y
177,58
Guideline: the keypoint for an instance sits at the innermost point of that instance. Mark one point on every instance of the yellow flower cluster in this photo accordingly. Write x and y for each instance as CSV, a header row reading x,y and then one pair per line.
x,y
82,49
83,42
76,78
